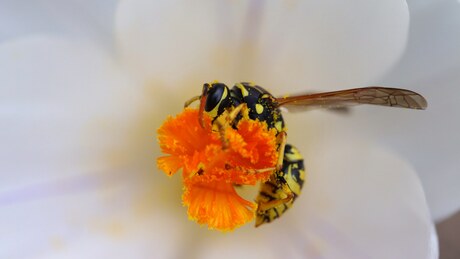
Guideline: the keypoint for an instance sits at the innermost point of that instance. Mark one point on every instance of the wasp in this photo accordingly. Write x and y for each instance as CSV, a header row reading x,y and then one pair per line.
x,y
278,193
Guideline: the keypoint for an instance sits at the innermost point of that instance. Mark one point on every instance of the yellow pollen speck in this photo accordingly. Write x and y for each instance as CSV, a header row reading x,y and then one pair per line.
x,y
259,108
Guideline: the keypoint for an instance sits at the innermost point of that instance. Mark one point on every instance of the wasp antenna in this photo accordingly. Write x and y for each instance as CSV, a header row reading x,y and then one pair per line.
x,y
191,100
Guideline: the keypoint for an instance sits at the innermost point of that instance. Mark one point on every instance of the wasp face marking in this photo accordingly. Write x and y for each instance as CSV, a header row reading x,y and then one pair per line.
x,y
215,93
215,98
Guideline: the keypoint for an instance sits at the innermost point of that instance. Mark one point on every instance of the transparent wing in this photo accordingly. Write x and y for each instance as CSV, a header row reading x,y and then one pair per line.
x,y
375,95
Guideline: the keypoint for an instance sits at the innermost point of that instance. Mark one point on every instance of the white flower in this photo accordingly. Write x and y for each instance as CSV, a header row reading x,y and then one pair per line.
x,y
79,114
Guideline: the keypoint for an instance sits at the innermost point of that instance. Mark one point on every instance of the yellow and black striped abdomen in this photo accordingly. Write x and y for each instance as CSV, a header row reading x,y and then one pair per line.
x,y
283,184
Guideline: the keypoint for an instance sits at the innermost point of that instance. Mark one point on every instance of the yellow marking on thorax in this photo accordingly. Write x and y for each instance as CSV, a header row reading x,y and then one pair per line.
x,y
243,89
259,108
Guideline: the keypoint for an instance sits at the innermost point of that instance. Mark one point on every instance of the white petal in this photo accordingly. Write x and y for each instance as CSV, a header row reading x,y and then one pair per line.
x,y
277,44
74,140
329,44
97,221
359,201
74,18
178,41
62,106
429,139
433,42
247,242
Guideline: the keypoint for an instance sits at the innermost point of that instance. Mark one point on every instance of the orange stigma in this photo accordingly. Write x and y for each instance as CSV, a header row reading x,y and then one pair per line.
x,y
209,171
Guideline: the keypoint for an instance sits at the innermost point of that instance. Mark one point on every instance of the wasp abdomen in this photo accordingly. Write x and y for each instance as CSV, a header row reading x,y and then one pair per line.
x,y
282,189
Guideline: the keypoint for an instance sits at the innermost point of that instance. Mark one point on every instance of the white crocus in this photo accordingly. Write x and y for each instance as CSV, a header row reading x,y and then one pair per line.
x,y
79,116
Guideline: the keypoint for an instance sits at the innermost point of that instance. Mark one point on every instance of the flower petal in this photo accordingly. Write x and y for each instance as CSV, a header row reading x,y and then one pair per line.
x,y
367,200
103,219
295,44
428,139
60,102
74,18
309,45
73,184
359,202
168,41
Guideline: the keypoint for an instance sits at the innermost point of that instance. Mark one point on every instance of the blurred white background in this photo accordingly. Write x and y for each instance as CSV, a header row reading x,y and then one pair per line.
x,y
84,85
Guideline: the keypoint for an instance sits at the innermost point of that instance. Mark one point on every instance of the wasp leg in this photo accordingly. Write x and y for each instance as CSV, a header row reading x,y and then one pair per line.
x,y
281,141
221,127
254,171
232,115
226,120
266,205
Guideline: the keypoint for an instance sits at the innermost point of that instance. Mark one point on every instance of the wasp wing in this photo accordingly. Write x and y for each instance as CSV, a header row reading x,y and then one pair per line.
x,y
375,95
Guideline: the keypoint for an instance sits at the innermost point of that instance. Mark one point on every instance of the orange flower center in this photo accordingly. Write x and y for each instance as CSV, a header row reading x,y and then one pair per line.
x,y
210,171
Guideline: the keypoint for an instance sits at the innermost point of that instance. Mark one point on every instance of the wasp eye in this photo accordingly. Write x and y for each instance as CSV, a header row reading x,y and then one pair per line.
x,y
214,96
